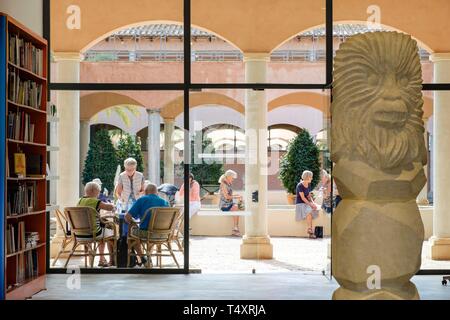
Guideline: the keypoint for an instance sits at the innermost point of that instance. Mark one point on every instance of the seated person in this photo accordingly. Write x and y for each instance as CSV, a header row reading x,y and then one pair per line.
x,y
90,199
138,210
103,196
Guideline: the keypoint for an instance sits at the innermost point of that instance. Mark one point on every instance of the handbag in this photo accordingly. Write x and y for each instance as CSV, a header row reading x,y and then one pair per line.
x,y
318,232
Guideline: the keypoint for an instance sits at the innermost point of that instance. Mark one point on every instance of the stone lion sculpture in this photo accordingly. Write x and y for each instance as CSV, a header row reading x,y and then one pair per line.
x,y
379,152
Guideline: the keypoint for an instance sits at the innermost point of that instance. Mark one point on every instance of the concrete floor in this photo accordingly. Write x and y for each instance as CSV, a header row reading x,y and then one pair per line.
x,y
268,286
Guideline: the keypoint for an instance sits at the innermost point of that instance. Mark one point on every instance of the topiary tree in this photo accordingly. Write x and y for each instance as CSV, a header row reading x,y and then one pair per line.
x,y
127,147
101,161
302,154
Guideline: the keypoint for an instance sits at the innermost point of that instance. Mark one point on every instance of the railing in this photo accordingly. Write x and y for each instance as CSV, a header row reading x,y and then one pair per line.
x,y
209,55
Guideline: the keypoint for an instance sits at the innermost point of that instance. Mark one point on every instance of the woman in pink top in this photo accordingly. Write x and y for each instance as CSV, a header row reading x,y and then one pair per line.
x,y
194,195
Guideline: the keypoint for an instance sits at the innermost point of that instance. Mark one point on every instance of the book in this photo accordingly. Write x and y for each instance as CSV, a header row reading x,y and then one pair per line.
x,y
20,164
34,165
25,55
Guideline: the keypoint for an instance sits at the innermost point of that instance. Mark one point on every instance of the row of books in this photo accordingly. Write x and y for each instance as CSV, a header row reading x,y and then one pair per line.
x,y
27,267
20,126
26,92
18,239
15,237
21,199
25,55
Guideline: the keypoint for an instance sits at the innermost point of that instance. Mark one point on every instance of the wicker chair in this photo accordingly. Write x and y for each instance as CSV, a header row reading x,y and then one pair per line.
x,y
63,224
82,221
160,232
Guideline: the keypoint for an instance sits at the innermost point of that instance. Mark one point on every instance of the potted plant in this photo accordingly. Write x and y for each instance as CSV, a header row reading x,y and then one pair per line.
x,y
302,154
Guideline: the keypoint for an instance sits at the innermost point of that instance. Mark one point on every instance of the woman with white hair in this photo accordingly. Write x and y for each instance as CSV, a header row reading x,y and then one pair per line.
x,y
306,208
226,197
131,183
90,199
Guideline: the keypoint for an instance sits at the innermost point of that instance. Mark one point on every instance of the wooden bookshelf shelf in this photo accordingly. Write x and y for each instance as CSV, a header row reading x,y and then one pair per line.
x,y
19,216
27,143
26,289
23,58
10,255
26,108
25,179
27,73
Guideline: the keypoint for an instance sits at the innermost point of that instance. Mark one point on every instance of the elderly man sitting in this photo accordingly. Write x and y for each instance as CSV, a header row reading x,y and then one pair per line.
x,y
138,210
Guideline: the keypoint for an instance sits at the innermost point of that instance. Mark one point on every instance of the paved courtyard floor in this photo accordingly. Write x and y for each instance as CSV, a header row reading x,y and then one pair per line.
x,y
221,255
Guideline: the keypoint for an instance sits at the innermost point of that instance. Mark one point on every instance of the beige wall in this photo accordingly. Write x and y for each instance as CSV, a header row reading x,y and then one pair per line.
x,y
251,25
27,12
281,223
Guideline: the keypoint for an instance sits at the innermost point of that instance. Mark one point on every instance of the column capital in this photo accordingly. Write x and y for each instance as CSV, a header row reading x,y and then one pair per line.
x,y
153,111
169,120
257,56
439,57
68,56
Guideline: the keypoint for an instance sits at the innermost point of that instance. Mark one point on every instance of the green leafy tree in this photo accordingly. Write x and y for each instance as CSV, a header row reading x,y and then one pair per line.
x,y
127,147
101,161
302,154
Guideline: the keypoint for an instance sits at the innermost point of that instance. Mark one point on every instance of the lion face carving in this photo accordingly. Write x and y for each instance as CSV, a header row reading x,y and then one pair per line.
x,y
377,101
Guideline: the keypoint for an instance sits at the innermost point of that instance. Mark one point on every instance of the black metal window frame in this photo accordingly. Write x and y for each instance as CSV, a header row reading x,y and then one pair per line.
x,y
188,86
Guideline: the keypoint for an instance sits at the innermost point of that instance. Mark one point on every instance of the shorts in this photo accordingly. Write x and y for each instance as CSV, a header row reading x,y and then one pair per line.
x,y
228,208
104,233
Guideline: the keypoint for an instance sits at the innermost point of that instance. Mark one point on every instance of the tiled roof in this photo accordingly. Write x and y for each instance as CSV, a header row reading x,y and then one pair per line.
x,y
173,30
340,30
160,30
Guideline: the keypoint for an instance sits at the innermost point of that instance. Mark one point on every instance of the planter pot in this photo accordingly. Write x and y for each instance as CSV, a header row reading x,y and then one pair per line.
x,y
291,198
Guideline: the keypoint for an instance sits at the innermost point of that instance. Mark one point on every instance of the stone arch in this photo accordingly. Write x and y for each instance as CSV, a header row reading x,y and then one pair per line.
x,y
310,99
93,103
176,107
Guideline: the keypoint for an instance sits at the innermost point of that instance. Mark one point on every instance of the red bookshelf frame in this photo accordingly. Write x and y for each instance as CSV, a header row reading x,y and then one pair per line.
x,y
36,220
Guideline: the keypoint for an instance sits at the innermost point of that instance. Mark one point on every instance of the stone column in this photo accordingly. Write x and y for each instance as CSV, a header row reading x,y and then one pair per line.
x,y
169,149
153,152
440,242
422,198
256,242
85,137
68,156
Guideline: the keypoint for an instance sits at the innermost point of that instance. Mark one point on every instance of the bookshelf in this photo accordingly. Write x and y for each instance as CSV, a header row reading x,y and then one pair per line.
x,y
23,157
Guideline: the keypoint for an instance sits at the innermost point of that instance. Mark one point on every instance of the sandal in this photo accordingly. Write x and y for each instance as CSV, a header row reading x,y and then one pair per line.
x,y
103,264
311,234
236,232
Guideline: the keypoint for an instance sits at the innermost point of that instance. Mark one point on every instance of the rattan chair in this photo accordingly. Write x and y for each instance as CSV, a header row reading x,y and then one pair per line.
x,y
159,234
82,221
67,238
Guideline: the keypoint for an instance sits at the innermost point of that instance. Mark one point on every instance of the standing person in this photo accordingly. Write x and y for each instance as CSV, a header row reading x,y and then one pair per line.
x,y
194,195
226,197
330,199
131,183
306,208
